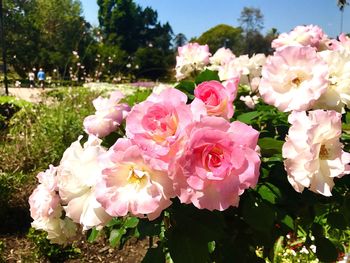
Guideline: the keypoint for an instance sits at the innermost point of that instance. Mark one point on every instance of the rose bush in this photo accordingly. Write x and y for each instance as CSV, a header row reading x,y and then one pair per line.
x,y
214,178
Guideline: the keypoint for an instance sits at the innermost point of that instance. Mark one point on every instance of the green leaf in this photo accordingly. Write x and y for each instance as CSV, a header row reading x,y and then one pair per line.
x,y
114,221
115,236
184,247
131,222
347,118
325,250
346,208
270,146
288,221
277,248
269,192
154,255
93,235
258,214
191,231
211,246
110,139
207,75
149,228
186,86
248,116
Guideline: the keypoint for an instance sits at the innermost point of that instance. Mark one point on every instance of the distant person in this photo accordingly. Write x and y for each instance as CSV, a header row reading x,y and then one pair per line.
x,y
41,77
31,77
17,84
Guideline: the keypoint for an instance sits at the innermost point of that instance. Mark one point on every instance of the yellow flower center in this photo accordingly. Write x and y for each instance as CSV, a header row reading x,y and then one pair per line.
x,y
296,81
324,154
137,177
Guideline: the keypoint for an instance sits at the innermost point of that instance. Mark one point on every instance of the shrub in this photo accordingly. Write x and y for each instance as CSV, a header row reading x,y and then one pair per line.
x,y
8,107
39,134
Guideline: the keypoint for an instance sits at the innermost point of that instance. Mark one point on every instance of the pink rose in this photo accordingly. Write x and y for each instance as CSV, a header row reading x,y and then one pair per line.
x,y
313,153
156,123
132,185
217,98
108,116
217,163
293,78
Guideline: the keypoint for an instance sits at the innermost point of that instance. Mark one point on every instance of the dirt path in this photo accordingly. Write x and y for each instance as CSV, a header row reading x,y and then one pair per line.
x,y
31,95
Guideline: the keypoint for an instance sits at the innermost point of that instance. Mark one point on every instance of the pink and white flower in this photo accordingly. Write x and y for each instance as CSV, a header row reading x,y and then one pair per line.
x,y
293,78
192,57
344,41
337,95
310,35
250,101
78,174
49,178
108,116
313,153
43,203
46,209
218,161
131,185
217,98
234,68
221,57
247,69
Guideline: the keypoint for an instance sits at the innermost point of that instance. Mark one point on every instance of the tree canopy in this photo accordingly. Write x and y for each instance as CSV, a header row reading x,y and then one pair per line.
x,y
138,32
251,19
42,33
220,36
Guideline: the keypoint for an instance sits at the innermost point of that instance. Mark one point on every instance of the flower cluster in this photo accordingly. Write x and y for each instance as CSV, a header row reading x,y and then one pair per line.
x,y
310,71
171,148
46,210
243,69
307,71
191,150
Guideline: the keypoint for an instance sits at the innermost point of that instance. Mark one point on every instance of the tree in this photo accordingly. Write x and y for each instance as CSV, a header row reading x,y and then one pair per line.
x,y
341,4
62,28
220,36
20,35
43,33
251,19
136,31
179,40
121,22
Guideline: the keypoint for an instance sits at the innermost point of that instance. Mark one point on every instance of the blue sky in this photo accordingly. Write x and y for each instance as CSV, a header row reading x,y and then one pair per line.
x,y
193,17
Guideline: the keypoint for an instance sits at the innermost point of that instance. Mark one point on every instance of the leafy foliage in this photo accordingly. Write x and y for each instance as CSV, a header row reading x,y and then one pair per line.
x,y
54,253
